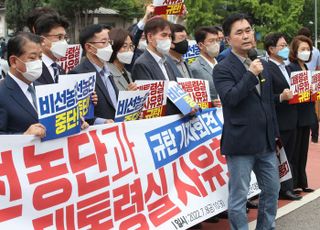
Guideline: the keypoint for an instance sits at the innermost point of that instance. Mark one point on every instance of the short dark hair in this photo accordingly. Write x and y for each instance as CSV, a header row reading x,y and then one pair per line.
x,y
305,31
228,22
154,25
271,40
201,34
36,13
46,22
175,28
88,33
16,44
295,45
218,28
118,36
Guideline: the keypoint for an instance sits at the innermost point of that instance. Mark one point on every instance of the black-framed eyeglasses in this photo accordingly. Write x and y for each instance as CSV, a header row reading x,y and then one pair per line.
x,y
59,36
127,47
106,43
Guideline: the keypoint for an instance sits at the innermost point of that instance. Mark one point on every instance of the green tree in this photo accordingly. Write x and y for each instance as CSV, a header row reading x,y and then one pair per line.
x,y
205,13
276,15
77,12
17,11
129,9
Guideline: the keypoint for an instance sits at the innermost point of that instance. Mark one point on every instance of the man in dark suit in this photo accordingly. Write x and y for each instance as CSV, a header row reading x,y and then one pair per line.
x,y
17,95
52,29
95,42
154,63
287,115
250,126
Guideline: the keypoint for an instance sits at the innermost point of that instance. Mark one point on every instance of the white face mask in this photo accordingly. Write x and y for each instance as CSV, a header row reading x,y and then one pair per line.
x,y
142,44
125,57
213,49
104,54
59,48
33,70
304,55
163,46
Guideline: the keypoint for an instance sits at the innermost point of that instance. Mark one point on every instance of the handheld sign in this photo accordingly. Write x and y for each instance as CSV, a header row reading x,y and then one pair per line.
x,y
72,58
300,86
85,85
130,105
58,110
198,90
315,86
193,52
180,98
157,100
168,7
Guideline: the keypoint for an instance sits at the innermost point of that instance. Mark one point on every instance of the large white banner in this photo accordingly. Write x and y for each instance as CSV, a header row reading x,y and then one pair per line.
x,y
162,173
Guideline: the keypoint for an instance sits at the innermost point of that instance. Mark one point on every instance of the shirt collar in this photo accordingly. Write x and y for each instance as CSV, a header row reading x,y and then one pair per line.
x,y
46,60
242,59
23,86
98,68
209,62
276,62
156,57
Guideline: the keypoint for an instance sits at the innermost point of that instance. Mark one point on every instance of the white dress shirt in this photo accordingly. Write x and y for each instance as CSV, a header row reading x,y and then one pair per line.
x,y
24,88
48,62
160,61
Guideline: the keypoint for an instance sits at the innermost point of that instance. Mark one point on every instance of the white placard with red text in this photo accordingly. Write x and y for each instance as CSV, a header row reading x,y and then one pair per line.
x,y
168,7
72,58
162,173
198,90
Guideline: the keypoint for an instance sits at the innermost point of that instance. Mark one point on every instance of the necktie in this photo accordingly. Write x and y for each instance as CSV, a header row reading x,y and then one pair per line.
x,y
125,75
55,72
33,95
108,84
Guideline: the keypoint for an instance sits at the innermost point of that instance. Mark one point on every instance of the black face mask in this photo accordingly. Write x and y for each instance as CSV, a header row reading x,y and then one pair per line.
x,y
181,47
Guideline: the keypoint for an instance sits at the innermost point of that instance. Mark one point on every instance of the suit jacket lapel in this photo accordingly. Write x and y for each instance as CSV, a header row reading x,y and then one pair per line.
x,y
205,65
238,66
100,83
155,66
21,99
46,74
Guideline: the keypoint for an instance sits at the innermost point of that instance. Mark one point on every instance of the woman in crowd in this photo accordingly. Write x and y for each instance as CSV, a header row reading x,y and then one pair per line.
x,y
122,54
300,53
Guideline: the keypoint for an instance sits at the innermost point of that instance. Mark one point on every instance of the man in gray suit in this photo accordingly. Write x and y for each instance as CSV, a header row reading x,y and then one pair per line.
x,y
154,63
208,43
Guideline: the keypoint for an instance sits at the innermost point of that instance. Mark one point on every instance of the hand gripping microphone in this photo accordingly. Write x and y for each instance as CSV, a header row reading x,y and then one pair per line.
x,y
252,54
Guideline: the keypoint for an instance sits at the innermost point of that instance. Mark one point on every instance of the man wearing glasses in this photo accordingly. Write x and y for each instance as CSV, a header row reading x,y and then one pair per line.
x,y
95,42
52,30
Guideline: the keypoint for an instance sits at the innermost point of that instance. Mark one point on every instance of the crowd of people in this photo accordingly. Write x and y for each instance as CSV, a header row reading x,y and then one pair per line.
x,y
254,93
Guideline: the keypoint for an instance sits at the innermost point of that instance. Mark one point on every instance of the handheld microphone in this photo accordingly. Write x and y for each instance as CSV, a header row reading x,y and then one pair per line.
x,y
253,54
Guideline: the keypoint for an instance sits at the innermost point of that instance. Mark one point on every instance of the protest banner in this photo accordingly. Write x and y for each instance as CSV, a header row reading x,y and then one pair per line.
x,y
315,85
284,166
193,52
85,84
163,173
198,90
130,105
155,105
300,86
180,98
58,109
168,7
72,58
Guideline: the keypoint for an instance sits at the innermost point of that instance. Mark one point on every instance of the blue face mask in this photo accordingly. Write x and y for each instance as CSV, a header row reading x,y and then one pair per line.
x,y
284,53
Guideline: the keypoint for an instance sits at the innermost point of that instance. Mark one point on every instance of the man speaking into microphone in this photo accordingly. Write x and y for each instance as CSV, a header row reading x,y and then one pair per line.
x,y
250,125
